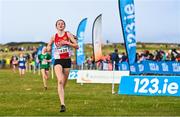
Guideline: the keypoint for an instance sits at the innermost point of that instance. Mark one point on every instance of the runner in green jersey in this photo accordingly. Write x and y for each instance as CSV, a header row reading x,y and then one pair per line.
x,y
44,60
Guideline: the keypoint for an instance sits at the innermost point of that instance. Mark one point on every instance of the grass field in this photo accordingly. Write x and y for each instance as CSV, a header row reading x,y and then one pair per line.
x,y
26,97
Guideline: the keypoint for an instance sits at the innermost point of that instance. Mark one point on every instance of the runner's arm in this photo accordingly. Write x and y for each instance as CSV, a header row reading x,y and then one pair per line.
x,y
73,42
50,44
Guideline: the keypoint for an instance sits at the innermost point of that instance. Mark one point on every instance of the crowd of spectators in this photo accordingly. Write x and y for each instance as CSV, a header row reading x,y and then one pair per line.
x,y
107,61
158,55
28,53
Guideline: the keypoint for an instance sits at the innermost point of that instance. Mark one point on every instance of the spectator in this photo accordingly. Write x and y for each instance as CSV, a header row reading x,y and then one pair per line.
x,y
14,62
124,58
115,58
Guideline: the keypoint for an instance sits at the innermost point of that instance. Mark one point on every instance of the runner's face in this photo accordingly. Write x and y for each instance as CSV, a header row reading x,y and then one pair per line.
x,y
60,25
44,50
21,55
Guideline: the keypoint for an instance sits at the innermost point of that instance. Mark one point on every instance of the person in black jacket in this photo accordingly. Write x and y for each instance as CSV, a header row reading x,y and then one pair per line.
x,y
115,58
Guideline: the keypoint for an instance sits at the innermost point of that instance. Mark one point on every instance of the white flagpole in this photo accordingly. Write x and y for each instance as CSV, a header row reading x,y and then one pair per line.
x,y
52,72
34,68
39,70
29,67
82,69
113,92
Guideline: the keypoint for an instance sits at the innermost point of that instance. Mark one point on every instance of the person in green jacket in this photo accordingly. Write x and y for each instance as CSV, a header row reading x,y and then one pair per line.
x,y
44,60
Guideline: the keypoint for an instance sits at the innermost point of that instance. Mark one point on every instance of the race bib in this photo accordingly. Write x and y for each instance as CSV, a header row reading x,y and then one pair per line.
x,y
44,62
62,52
21,64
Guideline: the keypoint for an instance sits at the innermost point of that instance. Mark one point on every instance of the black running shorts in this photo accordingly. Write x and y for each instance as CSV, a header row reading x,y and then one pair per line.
x,y
65,63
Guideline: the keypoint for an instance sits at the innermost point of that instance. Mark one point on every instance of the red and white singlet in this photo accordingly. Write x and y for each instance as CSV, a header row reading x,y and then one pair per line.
x,y
64,51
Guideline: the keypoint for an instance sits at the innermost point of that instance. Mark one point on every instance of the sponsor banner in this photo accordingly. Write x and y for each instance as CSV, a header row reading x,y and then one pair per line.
x,y
94,76
39,51
73,74
80,57
97,38
52,54
150,85
124,66
151,67
127,16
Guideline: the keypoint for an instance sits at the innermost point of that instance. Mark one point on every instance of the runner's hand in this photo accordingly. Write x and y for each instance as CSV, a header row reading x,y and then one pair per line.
x,y
48,48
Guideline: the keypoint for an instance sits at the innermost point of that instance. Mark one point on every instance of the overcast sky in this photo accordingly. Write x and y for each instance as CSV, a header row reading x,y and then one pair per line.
x,y
34,20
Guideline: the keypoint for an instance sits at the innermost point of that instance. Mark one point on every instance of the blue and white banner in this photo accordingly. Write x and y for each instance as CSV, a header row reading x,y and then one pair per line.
x,y
152,67
39,51
80,57
127,16
73,74
52,54
150,85
94,76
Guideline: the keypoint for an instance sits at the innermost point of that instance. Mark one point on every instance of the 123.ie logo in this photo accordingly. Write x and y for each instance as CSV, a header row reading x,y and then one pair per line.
x,y
154,86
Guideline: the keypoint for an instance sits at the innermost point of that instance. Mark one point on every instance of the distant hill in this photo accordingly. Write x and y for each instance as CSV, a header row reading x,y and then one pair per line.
x,y
106,47
23,43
